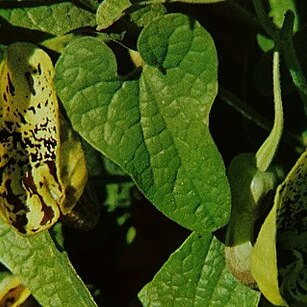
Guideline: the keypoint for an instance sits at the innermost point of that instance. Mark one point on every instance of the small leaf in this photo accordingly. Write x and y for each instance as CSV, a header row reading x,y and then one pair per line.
x,y
195,275
155,128
58,43
278,9
265,43
119,195
110,11
56,19
43,269
147,14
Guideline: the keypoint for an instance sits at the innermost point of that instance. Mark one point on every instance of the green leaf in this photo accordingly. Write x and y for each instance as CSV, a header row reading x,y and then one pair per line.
x,y
110,11
277,10
119,195
42,268
195,275
56,19
147,14
58,43
266,44
155,128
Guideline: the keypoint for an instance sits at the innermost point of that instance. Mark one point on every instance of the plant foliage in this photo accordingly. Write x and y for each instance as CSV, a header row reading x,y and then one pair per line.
x,y
162,97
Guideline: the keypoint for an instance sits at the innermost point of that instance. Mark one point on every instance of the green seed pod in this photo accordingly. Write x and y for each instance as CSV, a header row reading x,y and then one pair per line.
x,y
250,180
248,186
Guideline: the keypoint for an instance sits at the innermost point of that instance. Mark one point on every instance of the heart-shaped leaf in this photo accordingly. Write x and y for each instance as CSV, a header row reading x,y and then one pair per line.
x,y
156,127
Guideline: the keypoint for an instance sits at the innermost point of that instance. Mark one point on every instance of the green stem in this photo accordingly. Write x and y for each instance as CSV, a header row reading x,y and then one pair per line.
x,y
245,110
284,43
252,115
250,19
266,152
267,24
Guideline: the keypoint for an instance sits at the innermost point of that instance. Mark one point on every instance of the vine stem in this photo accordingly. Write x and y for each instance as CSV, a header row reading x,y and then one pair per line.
x,y
267,24
252,115
286,45
283,39
266,152
244,109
